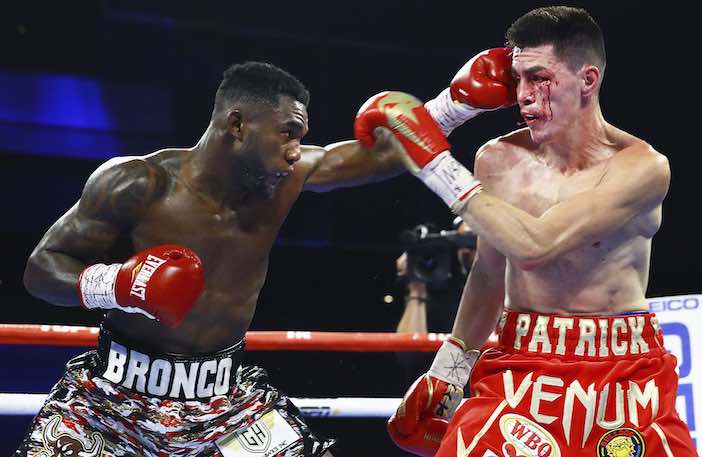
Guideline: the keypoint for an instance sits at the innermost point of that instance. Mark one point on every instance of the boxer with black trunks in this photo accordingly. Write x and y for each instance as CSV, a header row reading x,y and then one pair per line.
x,y
174,245
565,210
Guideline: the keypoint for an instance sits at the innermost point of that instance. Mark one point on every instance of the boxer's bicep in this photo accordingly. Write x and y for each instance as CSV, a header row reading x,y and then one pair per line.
x,y
71,243
121,189
80,237
347,164
112,200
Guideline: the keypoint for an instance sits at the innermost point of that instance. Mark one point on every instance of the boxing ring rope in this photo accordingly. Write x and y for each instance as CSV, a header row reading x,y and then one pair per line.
x,y
280,340
64,335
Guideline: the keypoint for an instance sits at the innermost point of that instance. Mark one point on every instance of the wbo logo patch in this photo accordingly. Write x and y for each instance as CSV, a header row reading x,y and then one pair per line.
x,y
622,442
525,438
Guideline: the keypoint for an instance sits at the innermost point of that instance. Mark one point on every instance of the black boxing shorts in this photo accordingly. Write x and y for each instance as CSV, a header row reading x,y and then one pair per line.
x,y
120,400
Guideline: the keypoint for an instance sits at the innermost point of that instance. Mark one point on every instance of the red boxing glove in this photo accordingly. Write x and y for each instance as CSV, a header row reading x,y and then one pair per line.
x,y
421,420
417,426
161,282
486,81
423,147
408,120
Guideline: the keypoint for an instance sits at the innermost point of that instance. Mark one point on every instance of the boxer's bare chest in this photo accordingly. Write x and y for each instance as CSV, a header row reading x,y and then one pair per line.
x,y
232,243
234,247
534,186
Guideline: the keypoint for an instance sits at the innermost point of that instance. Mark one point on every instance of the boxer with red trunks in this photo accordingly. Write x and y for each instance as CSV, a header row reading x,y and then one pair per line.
x,y
565,210
174,246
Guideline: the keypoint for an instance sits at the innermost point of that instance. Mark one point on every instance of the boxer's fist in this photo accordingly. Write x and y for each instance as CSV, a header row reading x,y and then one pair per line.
x,y
486,81
408,121
421,420
423,146
161,282
421,143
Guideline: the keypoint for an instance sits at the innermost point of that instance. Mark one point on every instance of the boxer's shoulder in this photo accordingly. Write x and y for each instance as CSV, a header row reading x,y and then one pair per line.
x,y
502,153
131,173
310,157
628,145
123,186
636,154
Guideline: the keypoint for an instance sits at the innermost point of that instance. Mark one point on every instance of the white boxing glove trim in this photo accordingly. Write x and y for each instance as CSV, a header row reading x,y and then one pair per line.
x,y
450,180
448,113
97,286
97,289
453,365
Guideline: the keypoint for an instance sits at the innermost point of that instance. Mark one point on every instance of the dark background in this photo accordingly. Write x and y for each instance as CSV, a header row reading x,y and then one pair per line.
x,y
154,67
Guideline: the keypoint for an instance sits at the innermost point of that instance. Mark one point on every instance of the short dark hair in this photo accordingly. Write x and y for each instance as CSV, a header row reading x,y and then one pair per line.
x,y
258,82
575,36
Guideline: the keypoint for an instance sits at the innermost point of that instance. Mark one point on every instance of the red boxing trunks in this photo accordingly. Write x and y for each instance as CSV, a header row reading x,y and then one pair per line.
x,y
122,401
567,386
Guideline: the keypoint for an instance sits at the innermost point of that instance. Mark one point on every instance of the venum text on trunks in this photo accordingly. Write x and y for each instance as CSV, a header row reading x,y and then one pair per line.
x,y
581,406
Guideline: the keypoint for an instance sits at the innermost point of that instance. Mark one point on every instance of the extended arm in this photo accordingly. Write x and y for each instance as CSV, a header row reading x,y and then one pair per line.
x,y
636,182
348,163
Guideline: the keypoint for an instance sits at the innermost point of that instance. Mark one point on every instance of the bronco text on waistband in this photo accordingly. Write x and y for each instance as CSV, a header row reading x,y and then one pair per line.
x,y
163,377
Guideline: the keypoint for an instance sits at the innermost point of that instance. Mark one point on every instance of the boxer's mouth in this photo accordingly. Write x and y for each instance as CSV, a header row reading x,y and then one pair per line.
x,y
531,118
275,177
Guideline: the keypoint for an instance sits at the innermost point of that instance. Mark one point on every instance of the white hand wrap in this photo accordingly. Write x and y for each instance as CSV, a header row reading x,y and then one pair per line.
x,y
450,180
97,288
448,113
452,364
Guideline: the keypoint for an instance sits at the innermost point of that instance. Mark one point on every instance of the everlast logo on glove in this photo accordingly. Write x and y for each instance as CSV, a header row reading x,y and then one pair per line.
x,y
144,271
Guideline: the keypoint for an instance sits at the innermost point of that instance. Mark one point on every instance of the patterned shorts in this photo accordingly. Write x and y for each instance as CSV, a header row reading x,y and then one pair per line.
x,y
118,401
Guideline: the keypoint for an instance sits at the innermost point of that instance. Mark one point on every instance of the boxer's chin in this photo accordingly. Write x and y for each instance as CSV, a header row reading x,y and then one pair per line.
x,y
539,134
270,185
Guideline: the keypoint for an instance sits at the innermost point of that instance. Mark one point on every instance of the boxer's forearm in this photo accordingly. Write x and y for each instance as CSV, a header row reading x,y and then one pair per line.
x,y
348,163
480,308
53,277
524,239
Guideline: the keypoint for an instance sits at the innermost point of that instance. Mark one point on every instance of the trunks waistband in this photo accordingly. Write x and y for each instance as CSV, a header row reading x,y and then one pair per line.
x,y
608,337
164,375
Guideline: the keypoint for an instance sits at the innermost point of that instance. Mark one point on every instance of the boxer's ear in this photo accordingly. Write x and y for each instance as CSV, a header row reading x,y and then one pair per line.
x,y
234,124
590,80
